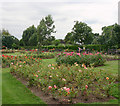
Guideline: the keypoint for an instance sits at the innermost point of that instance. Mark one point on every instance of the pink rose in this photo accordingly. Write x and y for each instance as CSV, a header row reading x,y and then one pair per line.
x,y
50,87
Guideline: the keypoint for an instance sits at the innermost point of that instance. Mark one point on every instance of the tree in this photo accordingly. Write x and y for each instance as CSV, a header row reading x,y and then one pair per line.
x,y
95,38
82,33
56,42
21,42
9,40
69,38
27,34
110,35
5,32
49,40
44,30
33,40
116,35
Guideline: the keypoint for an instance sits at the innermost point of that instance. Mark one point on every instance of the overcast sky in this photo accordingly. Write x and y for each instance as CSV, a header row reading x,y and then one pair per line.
x,y
17,16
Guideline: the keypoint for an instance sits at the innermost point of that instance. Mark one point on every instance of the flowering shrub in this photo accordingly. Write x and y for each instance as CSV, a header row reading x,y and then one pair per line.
x,y
87,59
7,60
65,81
7,51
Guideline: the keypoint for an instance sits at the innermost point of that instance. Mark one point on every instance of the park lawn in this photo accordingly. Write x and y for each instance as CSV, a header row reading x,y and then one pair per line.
x,y
14,92
114,101
110,67
48,61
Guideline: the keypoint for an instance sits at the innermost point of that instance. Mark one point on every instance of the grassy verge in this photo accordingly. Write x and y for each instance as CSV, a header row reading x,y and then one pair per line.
x,y
110,67
14,92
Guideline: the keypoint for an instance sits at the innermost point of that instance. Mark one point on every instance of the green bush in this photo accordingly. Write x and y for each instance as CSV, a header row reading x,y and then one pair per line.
x,y
96,47
86,59
61,82
8,51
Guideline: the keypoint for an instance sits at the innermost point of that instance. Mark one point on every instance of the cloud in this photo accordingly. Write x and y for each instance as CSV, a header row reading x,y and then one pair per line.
x,y
17,16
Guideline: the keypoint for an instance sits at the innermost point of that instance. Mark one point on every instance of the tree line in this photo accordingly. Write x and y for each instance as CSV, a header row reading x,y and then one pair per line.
x,y
80,34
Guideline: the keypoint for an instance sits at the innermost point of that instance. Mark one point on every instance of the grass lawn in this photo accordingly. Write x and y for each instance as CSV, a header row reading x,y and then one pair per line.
x,y
14,92
110,67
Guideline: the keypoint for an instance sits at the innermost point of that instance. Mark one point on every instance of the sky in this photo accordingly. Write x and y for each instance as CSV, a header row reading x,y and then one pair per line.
x,y
18,15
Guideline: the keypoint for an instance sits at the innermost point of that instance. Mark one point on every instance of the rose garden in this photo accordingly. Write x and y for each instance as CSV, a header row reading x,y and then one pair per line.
x,y
81,69
71,78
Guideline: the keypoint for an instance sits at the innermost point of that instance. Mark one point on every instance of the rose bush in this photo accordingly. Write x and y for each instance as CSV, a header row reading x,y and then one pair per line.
x,y
89,59
7,60
65,81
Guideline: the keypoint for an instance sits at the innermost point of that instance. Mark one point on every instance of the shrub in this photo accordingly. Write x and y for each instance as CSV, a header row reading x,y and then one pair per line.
x,y
8,51
62,81
87,59
8,60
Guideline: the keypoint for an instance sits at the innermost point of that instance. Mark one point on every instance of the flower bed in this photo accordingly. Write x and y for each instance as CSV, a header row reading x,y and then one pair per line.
x,y
87,59
66,83
8,60
7,51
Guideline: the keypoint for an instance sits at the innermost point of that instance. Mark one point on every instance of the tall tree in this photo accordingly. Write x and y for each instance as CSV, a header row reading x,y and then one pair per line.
x,y
33,40
27,34
5,32
44,30
116,35
8,40
110,35
69,38
82,33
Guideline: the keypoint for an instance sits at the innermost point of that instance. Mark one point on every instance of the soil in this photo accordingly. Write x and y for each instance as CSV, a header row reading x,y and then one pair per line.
x,y
48,99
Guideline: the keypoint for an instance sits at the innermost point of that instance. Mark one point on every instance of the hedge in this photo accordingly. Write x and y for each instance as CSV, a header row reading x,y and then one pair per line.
x,y
71,47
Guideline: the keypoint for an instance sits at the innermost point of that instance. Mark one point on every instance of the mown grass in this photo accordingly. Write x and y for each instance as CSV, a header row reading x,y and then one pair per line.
x,y
14,92
110,67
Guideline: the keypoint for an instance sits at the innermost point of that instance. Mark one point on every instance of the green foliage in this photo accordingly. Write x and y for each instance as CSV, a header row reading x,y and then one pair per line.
x,y
56,42
59,81
13,60
27,34
110,36
86,59
7,51
5,32
33,40
96,47
44,30
8,41
69,38
82,33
